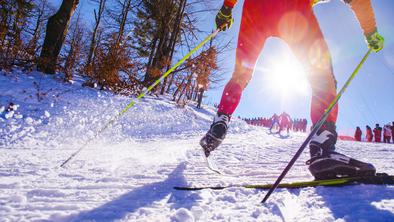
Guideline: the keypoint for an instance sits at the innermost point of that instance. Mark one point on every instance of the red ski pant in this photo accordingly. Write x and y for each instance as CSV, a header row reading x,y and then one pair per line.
x,y
295,23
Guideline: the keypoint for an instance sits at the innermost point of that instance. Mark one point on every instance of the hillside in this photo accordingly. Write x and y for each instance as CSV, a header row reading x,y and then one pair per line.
x,y
128,173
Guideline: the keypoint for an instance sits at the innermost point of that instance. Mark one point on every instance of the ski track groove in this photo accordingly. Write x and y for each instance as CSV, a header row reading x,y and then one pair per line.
x,y
103,184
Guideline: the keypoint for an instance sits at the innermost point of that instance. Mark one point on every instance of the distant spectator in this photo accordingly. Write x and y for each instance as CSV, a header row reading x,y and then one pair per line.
x,y
386,133
392,132
369,134
378,133
304,125
358,134
297,125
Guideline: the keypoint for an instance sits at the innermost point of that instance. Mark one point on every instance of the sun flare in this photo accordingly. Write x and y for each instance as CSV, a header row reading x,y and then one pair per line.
x,y
286,75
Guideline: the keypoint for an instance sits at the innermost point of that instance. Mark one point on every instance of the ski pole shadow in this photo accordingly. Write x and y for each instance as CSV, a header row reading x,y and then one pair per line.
x,y
142,197
358,203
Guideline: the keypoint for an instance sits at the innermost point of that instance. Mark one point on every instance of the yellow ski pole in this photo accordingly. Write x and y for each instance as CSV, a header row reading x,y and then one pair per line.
x,y
133,102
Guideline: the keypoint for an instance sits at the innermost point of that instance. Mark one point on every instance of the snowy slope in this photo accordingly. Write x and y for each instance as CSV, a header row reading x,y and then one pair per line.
x,y
128,173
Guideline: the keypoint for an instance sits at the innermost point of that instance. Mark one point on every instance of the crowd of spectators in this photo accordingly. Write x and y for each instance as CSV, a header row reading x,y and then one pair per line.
x,y
282,121
378,134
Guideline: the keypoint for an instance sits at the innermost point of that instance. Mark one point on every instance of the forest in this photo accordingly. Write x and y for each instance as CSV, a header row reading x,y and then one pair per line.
x,y
120,45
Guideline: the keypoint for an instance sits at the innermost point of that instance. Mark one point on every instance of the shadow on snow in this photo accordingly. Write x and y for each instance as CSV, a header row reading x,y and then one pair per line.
x,y
142,197
354,203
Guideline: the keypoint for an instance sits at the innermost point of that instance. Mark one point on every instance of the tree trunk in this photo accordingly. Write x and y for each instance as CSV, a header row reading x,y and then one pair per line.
x,y
170,81
177,90
173,41
56,31
125,11
75,48
93,41
32,45
195,93
192,91
200,96
186,88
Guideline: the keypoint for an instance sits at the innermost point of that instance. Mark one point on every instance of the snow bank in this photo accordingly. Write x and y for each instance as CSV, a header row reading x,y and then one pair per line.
x,y
46,112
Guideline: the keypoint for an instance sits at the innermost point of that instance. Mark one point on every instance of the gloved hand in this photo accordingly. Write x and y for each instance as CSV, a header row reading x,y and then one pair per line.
x,y
375,41
224,18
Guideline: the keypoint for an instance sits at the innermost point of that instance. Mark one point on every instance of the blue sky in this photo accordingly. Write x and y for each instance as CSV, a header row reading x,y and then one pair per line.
x,y
368,100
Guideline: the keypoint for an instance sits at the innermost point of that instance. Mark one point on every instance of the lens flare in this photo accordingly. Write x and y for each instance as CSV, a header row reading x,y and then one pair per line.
x,y
286,75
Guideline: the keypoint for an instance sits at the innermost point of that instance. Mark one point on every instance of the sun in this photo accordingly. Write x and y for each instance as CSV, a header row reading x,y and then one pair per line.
x,y
286,75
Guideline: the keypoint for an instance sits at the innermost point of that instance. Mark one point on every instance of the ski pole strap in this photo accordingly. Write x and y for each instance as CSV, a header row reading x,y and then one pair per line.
x,y
132,103
315,128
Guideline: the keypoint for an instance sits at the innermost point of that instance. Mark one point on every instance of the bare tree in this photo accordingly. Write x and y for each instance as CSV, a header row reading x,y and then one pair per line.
x,y
74,49
13,18
156,33
39,16
113,61
56,31
98,15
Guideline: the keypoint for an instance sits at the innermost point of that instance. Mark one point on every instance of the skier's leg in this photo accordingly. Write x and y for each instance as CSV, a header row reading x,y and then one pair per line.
x,y
252,35
308,44
251,38
312,51
272,125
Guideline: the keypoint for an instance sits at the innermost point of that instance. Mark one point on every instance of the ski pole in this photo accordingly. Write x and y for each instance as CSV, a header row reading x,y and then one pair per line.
x,y
133,102
315,128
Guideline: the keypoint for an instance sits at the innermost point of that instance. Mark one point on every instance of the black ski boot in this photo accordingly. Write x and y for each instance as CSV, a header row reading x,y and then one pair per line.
x,y
215,134
325,163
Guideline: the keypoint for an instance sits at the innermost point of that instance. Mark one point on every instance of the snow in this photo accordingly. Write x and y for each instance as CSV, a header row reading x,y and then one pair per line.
x,y
128,172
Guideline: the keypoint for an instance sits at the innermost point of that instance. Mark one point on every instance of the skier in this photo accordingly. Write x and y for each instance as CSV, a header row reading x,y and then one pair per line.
x,y
284,122
274,122
358,134
294,22
377,133
369,134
